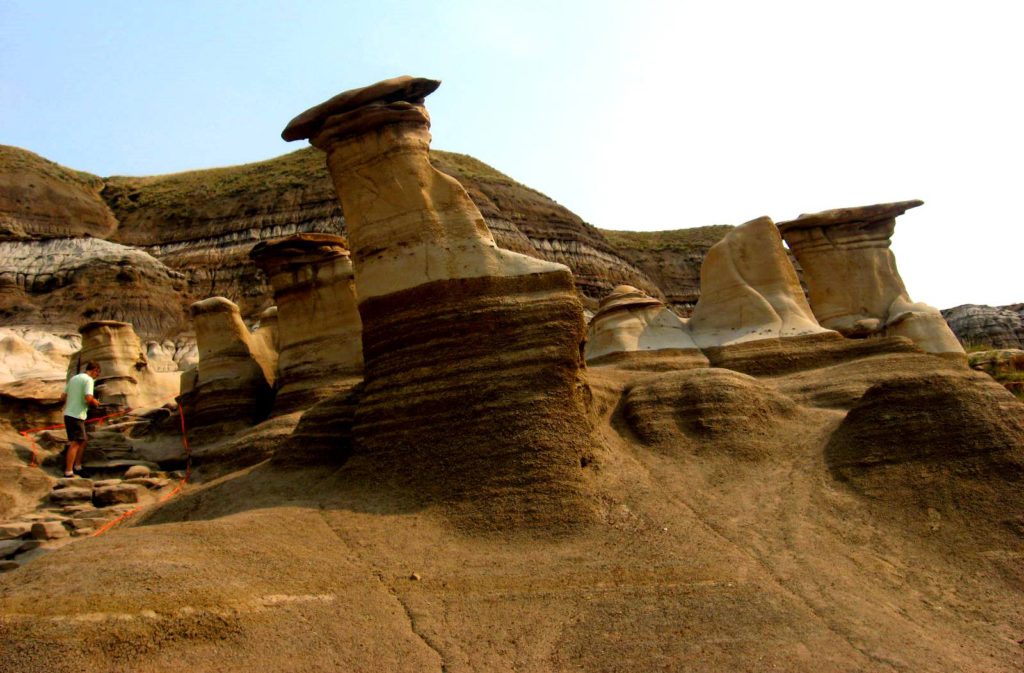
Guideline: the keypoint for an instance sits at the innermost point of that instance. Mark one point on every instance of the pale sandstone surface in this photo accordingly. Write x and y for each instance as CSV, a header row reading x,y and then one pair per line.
x,y
230,385
40,199
442,306
750,291
630,321
126,379
319,332
853,284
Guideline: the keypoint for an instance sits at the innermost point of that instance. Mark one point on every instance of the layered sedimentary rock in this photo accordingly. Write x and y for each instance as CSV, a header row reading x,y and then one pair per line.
x,y
632,326
949,440
230,384
40,199
671,259
852,280
473,388
63,282
998,327
126,379
749,291
319,333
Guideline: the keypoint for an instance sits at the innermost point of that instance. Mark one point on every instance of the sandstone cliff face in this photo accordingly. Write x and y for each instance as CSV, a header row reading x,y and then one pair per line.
x,y
999,327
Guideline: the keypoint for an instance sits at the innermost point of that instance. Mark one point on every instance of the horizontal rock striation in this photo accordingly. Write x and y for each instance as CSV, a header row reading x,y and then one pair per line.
x,y
40,199
473,393
998,327
319,332
64,282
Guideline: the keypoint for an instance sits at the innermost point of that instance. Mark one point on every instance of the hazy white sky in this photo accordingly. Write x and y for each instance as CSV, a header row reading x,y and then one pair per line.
x,y
642,115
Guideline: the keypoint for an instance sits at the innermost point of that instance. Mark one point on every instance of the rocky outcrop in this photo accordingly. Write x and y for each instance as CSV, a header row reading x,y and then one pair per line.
x,y
750,291
952,441
64,282
319,333
671,259
852,280
635,328
230,386
126,379
457,332
41,200
998,327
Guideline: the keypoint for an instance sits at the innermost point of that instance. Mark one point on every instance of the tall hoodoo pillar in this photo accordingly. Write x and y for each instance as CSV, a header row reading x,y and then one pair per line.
x,y
319,332
852,280
473,389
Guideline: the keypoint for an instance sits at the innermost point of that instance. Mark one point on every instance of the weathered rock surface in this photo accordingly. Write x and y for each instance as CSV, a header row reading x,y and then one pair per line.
x,y
230,385
671,259
629,321
949,440
40,199
126,379
998,327
750,291
852,280
115,494
319,332
63,282
441,305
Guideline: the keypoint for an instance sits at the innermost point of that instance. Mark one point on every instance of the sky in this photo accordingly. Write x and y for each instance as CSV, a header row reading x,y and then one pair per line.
x,y
636,115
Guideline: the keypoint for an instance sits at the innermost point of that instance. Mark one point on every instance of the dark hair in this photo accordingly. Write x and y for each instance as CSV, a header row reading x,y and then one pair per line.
x,y
91,365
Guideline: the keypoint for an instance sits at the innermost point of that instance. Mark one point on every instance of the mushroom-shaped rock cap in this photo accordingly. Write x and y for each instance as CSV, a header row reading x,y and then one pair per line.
x,y
404,88
625,295
214,305
97,324
326,245
829,218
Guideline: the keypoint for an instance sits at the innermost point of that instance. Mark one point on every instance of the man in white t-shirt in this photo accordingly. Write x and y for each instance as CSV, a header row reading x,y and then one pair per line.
x,y
78,397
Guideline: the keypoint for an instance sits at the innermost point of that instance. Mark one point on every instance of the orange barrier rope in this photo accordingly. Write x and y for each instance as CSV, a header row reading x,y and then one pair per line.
x,y
27,434
167,496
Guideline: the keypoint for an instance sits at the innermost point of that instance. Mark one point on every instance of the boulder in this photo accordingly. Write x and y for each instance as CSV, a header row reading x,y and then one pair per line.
x,y
631,326
852,280
997,327
9,547
750,291
136,471
49,530
231,385
116,494
10,531
459,336
319,332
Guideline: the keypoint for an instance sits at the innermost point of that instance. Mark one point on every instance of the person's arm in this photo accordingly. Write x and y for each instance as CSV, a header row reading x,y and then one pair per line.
x,y
92,401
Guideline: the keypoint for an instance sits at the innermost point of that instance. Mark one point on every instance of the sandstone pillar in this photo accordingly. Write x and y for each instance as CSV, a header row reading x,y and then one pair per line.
x,y
319,332
230,385
126,379
852,280
473,389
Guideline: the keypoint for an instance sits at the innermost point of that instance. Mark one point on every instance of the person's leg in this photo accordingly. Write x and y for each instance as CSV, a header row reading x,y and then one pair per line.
x,y
80,454
69,459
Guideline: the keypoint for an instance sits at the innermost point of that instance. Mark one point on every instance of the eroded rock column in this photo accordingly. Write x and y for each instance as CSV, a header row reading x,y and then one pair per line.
x,y
852,280
231,385
319,331
472,354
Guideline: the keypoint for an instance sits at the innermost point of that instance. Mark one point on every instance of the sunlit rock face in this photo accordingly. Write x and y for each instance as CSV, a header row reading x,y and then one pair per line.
x,y
319,332
230,384
632,326
126,377
473,388
749,291
852,280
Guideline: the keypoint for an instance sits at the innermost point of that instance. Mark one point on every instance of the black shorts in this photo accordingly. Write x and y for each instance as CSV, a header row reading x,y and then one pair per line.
x,y
76,429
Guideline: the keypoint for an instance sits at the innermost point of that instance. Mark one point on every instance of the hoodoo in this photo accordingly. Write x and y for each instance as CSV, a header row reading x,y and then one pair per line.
x,y
473,388
319,333
852,280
